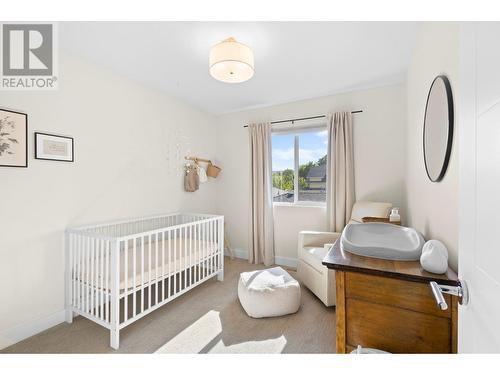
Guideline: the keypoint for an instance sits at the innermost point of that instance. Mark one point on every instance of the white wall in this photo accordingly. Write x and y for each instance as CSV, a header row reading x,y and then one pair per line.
x,y
379,144
432,207
121,136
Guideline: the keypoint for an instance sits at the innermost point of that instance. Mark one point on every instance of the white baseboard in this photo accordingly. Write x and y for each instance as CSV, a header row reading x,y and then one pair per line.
x,y
279,260
285,261
238,253
10,336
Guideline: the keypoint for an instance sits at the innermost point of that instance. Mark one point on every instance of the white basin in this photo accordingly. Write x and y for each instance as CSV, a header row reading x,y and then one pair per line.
x,y
383,241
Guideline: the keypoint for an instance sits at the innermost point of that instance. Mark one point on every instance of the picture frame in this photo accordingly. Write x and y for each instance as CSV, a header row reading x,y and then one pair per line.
x,y
13,139
54,147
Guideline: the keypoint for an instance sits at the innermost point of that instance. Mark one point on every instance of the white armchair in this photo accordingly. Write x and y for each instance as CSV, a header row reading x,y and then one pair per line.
x,y
313,247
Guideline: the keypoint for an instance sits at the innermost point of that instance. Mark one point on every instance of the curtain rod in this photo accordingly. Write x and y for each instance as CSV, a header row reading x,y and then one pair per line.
x,y
301,119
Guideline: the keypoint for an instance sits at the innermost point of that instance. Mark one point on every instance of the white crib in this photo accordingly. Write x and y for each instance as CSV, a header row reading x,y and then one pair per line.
x,y
118,272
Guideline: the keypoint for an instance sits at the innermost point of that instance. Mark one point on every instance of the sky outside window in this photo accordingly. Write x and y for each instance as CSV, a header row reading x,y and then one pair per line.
x,y
312,155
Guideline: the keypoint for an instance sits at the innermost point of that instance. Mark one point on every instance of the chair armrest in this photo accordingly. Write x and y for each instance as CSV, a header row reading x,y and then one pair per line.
x,y
319,239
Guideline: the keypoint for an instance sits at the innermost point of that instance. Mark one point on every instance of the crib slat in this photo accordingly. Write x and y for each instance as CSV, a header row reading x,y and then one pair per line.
x,y
71,251
86,275
149,272
87,292
214,246
204,249
101,258
196,255
76,280
83,242
142,274
207,251
190,254
217,240
181,243
115,293
184,258
221,245
93,282
78,240
134,273
199,250
210,248
82,273
163,265
106,278
125,269
207,245
175,262
218,244
210,243
73,269
156,270
94,278
169,256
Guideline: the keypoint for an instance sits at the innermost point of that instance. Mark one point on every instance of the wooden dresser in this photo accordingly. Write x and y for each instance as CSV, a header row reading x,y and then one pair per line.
x,y
389,305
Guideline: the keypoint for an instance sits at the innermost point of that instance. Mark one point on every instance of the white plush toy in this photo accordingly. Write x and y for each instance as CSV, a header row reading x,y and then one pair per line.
x,y
434,257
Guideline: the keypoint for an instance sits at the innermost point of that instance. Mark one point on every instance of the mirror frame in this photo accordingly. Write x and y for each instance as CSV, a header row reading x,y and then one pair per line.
x,y
449,143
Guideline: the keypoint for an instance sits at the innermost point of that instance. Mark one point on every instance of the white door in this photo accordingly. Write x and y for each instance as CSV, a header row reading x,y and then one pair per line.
x,y
479,162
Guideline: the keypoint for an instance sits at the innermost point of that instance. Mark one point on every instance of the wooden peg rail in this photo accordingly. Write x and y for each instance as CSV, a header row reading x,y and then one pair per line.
x,y
197,159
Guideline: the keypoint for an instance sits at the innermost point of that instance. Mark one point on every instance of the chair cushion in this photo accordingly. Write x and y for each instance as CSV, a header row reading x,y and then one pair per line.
x,y
270,292
314,257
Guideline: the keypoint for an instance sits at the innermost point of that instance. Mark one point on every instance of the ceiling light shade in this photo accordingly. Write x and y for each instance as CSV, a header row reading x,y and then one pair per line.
x,y
231,61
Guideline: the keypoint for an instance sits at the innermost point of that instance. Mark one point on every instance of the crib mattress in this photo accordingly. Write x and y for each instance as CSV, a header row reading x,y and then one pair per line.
x,y
178,258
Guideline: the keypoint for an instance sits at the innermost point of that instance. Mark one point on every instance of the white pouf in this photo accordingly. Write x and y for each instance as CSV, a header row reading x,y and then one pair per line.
x,y
266,293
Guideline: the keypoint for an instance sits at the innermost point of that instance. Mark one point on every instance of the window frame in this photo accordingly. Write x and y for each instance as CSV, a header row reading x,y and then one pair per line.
x,y
296,131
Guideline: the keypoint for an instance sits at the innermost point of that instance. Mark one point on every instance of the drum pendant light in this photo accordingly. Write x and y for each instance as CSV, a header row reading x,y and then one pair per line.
x,y
231,61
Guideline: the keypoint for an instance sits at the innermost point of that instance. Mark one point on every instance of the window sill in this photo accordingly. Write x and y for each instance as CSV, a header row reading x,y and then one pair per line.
x,y
300,204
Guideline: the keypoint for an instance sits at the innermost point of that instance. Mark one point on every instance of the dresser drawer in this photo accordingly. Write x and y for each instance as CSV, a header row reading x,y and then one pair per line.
x,y
407,295
395,330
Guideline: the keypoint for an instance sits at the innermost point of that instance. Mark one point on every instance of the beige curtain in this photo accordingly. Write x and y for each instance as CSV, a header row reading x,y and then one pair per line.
x,y
340,171
261,246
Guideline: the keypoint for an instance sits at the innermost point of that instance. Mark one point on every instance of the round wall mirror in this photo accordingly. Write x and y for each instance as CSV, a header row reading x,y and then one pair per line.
x,y
438,128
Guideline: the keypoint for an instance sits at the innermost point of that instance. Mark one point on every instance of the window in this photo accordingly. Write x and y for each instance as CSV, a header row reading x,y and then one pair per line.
x,y
299,166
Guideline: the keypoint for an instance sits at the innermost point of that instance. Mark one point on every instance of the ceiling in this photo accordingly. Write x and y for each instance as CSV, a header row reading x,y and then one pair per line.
x,y
293,60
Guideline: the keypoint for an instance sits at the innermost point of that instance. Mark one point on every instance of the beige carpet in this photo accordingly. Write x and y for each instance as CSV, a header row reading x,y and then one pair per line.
x,y
208,319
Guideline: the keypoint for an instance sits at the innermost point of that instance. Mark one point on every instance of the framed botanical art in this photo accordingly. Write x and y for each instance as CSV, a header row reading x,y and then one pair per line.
x,y
13,139
53,147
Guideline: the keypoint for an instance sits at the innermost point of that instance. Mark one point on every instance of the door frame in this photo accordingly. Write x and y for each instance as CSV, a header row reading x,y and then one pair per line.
x,y
467,179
